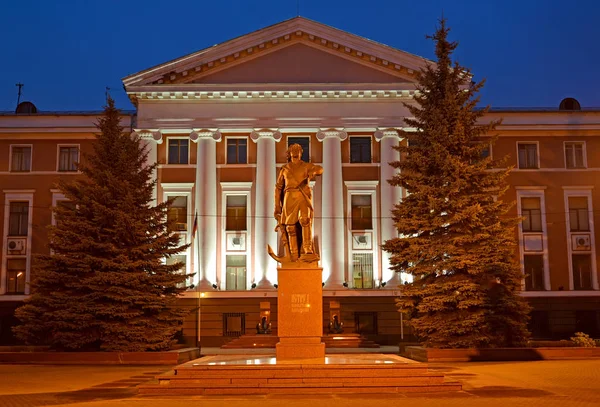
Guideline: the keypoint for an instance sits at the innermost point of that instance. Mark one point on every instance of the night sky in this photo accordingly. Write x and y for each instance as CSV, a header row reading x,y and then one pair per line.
x,y
533,53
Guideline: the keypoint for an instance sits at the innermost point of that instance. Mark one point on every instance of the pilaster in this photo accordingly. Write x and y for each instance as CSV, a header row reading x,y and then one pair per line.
x,y
150,140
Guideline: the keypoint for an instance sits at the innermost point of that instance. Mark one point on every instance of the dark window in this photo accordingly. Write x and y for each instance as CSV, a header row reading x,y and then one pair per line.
x,y
15,276
366,322
582,271
528,155
179,258
21,159
534,272
66,205
18,219
178,213
236,212
532,213
574,155
68,158
362,270
236,272
361,212
360,149
236,151
178,151
578,213
304,143
234,324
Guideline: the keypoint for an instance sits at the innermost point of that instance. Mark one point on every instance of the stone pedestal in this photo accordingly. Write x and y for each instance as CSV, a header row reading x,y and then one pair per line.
x,y
300,315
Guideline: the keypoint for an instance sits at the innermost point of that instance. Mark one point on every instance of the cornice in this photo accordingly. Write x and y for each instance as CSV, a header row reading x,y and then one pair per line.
x,y
233,95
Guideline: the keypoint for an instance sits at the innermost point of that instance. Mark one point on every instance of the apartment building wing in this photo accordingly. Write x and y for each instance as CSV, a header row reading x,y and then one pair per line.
x,y
218,123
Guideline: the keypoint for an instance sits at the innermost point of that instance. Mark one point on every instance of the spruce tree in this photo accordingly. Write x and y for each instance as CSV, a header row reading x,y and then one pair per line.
x,y
105,285
455,237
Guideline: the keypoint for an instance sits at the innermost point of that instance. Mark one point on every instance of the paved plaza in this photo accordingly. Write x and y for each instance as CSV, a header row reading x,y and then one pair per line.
x,y
539,383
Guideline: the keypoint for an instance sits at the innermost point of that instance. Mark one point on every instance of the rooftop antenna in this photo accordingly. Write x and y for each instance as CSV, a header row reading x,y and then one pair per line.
x,y
20,86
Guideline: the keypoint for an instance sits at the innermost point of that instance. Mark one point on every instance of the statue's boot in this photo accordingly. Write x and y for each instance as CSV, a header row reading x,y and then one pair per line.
x,y
307,245
292,242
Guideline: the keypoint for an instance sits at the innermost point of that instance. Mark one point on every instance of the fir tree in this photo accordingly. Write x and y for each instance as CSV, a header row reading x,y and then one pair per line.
x,y
455,237
104,285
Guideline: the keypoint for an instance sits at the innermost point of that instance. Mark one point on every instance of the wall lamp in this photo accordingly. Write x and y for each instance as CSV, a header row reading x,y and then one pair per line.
x,y
383,284
253,285
215,286
323,284
345,284
275,285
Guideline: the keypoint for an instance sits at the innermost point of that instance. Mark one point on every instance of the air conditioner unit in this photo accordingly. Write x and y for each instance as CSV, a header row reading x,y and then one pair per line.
x,y
581,242
16,245
181,226
236,241
361,239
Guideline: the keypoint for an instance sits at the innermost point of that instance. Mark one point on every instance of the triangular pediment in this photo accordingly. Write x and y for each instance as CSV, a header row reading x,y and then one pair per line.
x,y
294,51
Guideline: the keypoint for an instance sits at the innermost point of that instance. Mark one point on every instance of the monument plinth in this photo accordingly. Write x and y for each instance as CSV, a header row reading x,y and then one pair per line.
x,y
300,314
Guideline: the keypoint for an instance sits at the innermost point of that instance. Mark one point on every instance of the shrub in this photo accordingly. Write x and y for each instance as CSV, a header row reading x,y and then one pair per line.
x,y
583,340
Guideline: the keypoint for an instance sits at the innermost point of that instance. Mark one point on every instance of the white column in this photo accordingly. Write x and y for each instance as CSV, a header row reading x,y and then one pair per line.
x,y
205,242
265,268
390,195
332,209
150,139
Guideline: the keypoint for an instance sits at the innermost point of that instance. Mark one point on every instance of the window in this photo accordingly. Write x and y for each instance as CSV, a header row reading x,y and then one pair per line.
x,y
578,213
20,159
68,157
528,156
304,142
178,213
15,276
178,151
534,272
236,272
362,270
66,205
582,271
236,151
360,149
179,258
574,155
236,212
531,211
18,219
361,212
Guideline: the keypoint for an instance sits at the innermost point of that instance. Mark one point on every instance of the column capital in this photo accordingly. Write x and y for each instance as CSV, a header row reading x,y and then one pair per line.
x,y
265,133
329,133
197,134
149,134
388,132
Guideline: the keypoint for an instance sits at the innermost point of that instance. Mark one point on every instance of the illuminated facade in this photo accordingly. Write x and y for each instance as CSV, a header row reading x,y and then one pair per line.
x,y
218,123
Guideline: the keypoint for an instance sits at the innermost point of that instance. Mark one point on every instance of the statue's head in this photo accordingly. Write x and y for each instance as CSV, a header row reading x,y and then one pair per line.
x,y
294,150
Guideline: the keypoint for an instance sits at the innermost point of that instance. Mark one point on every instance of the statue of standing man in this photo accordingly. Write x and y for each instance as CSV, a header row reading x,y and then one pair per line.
x,y
294,208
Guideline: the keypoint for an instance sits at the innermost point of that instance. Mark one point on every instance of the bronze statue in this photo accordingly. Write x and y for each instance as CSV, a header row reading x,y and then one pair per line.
x,y
293,208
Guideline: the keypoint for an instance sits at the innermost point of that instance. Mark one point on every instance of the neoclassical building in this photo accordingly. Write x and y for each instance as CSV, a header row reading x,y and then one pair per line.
x,y
218,123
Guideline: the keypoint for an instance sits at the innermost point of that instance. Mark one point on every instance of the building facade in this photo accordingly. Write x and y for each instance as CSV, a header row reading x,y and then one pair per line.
x,y
218,123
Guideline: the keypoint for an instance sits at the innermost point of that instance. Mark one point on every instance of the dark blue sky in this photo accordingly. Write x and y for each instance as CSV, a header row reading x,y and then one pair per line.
x,y
533,53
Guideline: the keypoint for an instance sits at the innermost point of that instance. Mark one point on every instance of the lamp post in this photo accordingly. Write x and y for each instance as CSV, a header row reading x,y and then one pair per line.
x,y
199,324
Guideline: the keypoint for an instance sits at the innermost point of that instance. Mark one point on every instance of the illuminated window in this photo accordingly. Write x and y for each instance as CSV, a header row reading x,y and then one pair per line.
x,y
532,213
68,157
178,213
178,151
582,271
20,159
362,270
304,143
361,212
534,272
236,151
360,149
528,155
574,155
236,212
18,219
15,276
578,213
236,272
179,258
